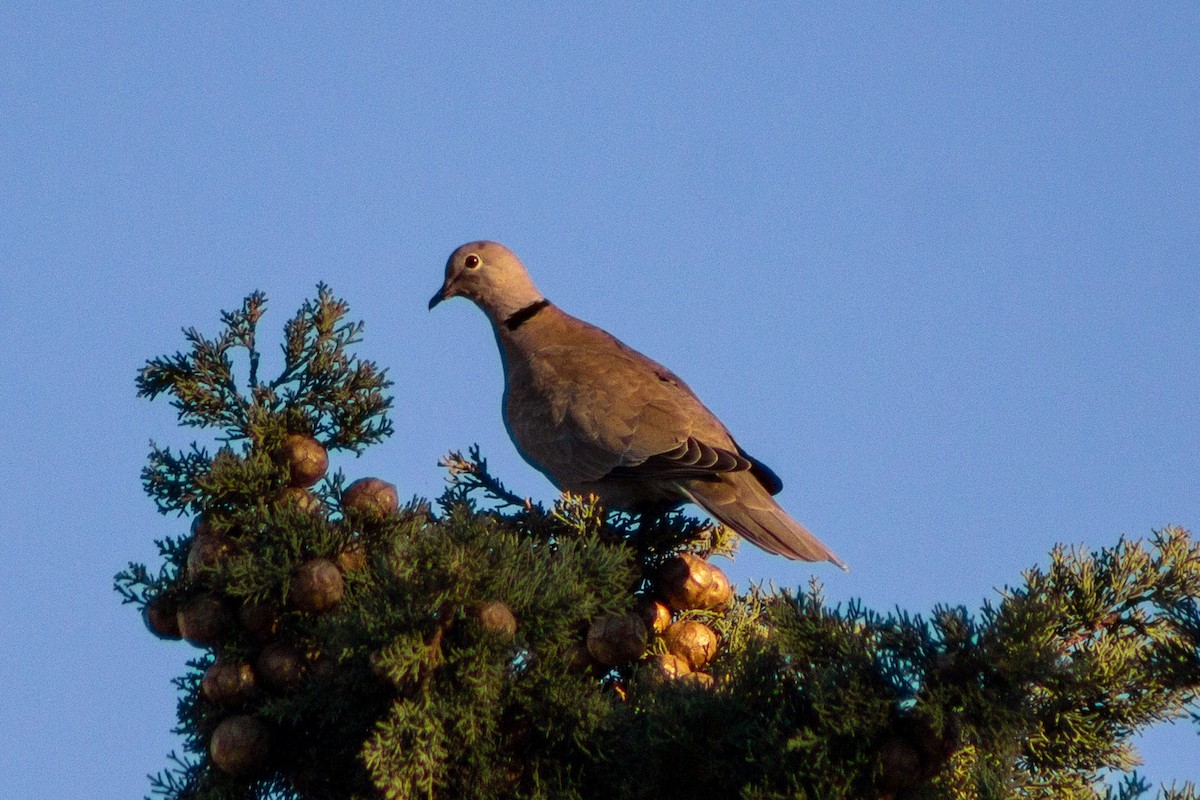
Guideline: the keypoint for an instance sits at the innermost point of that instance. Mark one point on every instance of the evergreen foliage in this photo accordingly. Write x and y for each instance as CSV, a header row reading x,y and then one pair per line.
x,y
449,655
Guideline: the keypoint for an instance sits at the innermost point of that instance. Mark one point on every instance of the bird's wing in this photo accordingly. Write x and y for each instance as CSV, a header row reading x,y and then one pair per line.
x,y
595,408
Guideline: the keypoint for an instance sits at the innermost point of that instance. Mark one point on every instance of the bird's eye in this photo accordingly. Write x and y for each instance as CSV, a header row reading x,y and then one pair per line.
x,y
471,261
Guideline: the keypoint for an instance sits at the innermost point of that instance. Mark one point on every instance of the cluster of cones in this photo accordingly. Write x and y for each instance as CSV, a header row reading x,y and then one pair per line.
x,y
257,657
661,633
194,608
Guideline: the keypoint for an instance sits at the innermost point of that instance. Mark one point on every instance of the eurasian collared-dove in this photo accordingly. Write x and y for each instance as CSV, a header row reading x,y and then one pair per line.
x,y
597,417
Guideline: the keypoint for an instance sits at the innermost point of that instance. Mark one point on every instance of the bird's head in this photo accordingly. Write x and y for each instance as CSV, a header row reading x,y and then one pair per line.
x,y
491,276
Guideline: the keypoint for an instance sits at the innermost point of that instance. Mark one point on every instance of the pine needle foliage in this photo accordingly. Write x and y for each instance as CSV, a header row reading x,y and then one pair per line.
x,y
454,662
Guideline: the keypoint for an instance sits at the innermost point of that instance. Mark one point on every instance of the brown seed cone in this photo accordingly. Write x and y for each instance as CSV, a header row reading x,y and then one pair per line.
x,y
239,745
228,683
698,680
161,617
615,639
496,617
301,499
900,764
305,459
317,586
205,620
371,497
915,752
693,641
353,558
321,666
280,667
208,550
260,621
656,615
689,582
202,525
662,668
580,660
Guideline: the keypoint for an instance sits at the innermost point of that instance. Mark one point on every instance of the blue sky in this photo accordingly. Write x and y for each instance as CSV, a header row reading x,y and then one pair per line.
x,y
937,265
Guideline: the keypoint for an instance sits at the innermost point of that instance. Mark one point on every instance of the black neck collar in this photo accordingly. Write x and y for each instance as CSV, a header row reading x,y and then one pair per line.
x,y
523,315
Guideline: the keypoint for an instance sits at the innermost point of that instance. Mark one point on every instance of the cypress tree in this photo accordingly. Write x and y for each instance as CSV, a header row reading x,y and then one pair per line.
x,y
351,646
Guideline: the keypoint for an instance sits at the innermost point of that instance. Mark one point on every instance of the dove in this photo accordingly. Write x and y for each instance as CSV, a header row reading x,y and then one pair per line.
x,y
596,417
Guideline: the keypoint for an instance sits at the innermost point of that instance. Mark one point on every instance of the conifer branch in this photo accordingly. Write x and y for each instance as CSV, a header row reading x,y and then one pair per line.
x,y
336,396
470,473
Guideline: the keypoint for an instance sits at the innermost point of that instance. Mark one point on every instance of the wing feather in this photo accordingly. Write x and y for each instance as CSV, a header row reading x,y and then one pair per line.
x,y
587,411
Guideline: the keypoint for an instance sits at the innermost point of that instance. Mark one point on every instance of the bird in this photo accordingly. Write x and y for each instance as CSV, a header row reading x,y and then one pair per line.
x,y
596,417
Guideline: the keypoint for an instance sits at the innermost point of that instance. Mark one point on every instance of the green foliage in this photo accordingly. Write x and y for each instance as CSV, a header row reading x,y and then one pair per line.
x,y
406,688
323,390
1037,697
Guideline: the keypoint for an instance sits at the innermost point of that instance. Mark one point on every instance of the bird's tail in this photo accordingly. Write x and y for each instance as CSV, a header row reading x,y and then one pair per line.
x,y
740,502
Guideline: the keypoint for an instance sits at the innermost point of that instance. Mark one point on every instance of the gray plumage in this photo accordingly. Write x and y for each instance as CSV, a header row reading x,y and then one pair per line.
x,y
597,417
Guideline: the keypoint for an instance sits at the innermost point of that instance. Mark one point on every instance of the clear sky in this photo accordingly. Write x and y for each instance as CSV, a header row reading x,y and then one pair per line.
x,y
939,266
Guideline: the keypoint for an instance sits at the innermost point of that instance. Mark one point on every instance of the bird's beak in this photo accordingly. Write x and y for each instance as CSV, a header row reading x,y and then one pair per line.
x,y
437,298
